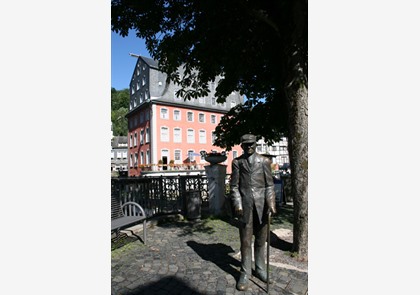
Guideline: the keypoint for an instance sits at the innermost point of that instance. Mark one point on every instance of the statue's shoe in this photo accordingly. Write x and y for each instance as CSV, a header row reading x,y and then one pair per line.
x,y
242,284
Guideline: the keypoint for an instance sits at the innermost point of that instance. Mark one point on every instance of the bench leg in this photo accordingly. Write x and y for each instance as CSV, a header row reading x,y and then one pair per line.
x,y
144,231
116,239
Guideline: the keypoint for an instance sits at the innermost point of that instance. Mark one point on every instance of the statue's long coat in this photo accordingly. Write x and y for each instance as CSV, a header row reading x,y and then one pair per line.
x,y
252,183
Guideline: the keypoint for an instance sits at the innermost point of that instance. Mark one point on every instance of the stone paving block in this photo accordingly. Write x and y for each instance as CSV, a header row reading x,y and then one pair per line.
x,y
133,285
124,284
178,260
294,287
118,279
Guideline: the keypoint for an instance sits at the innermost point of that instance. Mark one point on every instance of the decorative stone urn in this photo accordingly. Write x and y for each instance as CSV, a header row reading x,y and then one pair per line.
x,y
216,174
215,159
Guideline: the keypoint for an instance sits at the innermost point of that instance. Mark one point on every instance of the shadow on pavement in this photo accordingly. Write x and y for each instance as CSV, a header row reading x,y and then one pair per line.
x,y
219,255
280,244
187,227
124,239
166,285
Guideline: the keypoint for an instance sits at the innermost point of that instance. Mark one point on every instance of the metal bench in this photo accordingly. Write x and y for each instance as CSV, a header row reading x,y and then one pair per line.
x,y
126,215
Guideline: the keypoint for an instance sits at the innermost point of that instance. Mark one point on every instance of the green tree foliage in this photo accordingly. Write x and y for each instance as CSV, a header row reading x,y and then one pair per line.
x,y
258,47
120,100
248,42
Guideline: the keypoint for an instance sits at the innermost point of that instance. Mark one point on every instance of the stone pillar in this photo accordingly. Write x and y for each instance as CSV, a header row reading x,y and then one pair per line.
x,y
216,175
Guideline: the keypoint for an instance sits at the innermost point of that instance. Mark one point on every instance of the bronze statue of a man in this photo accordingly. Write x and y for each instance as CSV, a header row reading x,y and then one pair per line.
x,y
253,196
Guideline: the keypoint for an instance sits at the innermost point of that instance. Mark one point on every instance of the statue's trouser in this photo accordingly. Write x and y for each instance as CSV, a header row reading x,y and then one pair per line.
x,y
246,230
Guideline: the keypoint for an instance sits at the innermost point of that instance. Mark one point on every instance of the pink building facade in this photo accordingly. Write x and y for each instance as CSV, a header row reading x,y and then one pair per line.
x,y
166,132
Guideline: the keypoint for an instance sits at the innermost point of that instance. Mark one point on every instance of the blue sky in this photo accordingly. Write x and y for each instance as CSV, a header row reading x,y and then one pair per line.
x,y
122,64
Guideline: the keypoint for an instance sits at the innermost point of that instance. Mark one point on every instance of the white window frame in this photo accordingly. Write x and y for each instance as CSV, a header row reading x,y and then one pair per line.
x,y
177,137
190,154
202,136
202,115
177,118
162,136
178,161
213,119
192,116
165,153
162,113
141,137
190,139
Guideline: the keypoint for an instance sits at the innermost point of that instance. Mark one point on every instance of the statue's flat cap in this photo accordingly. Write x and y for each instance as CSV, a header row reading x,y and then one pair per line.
x,y
248,138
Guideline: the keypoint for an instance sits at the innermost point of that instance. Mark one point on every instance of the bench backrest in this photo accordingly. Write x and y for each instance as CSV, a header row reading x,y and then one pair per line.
x,y
116,210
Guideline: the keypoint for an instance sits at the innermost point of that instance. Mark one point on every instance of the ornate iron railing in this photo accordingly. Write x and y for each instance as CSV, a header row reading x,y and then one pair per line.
x,y
160,195
168,194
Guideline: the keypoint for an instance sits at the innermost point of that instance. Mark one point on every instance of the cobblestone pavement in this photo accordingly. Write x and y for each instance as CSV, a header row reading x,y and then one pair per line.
x,y
200,257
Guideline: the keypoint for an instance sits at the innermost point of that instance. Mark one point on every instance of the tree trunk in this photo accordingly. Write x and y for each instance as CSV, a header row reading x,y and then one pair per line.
x,y
298,152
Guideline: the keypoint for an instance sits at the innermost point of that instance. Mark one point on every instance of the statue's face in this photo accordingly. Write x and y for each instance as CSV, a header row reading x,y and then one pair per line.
x,y
249,148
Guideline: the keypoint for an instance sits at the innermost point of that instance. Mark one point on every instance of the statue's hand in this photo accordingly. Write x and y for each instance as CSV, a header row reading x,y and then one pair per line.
x,y
273,209
239,212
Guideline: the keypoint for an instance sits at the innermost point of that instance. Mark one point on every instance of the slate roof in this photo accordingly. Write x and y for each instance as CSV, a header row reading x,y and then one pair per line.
x,y
119,140
150,62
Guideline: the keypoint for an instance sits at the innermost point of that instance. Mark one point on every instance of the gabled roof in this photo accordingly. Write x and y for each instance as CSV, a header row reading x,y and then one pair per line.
x,y
150,62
